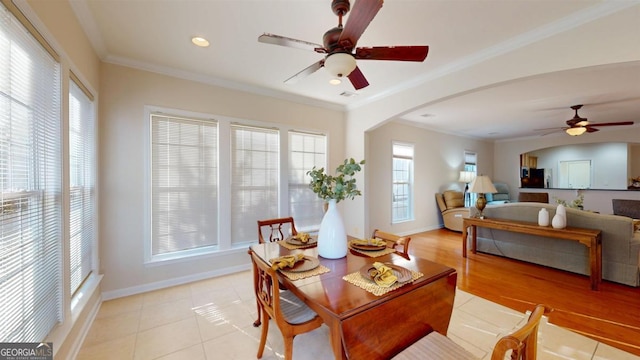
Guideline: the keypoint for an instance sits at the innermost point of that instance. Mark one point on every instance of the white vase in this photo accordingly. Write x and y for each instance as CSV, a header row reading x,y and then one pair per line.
x,y
559,221
562,210
332,238
543,217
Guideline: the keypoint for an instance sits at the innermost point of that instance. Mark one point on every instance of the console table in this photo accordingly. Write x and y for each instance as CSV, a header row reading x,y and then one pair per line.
x,y
590,238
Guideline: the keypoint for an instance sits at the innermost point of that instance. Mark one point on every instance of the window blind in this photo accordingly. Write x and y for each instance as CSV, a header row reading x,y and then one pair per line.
x,y
305,151
30,180
184,184
402,202
82,168
254,180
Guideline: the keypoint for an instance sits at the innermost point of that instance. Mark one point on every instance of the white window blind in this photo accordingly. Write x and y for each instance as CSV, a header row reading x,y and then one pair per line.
x,y
254,180
30,180
305,152
82,170
402,202
184,185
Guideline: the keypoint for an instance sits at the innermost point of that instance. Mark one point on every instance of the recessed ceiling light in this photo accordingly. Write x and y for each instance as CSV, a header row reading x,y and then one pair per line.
x,y
335,81
200,41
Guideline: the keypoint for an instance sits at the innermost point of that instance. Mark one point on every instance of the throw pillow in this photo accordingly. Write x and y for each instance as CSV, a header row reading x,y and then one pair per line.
x,y
453,199
636,224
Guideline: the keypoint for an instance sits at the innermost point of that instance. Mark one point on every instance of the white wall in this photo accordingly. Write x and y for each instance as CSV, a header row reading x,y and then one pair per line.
x,y
507,164
609,162
124,94
438,161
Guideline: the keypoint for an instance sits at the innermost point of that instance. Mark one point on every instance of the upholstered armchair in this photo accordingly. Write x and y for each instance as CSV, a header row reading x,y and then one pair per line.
x,y
451,204
501,197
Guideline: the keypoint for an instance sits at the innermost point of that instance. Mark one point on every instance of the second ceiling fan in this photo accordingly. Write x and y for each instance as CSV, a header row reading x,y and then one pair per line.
x,y
579,125
339,43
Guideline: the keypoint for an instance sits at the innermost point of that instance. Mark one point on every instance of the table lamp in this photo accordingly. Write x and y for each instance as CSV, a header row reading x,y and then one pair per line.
x,y
482,185
466,177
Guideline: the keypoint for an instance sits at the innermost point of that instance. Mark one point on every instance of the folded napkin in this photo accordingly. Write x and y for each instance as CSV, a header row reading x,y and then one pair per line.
x,y
382,275
374,242
286,261
302,237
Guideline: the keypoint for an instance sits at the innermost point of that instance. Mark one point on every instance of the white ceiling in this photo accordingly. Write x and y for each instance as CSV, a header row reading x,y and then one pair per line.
x,y
155,35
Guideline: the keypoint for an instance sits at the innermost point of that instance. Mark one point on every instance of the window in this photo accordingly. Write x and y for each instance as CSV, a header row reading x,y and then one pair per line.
x,y
255,180
30,178
184,186
212,180
305,152
82,172
402,202
470,164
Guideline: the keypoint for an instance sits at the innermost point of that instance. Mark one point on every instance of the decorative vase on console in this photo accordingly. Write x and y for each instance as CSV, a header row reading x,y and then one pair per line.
x,y
332,237
543,217
559,220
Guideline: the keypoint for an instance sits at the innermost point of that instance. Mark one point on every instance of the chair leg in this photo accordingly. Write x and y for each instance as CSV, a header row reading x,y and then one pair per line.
x,y
263,336
288,348
257,322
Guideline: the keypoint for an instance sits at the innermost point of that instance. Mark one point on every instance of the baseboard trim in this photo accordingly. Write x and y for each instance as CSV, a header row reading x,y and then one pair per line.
x,y
114,294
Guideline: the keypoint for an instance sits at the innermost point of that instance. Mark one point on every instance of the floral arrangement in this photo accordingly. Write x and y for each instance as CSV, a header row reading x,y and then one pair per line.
x,y
336,187
577,203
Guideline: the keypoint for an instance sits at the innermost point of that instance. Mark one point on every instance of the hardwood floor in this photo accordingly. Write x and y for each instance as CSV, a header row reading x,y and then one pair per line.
x,y
610,315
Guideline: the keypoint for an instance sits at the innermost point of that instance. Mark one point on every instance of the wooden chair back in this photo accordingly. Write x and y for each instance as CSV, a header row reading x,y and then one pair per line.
x,y
277,229
399,243
291,315
523,343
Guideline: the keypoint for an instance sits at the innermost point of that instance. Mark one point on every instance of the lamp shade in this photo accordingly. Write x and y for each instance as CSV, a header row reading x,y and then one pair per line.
x,y
483,185
466,176
340,64
575,131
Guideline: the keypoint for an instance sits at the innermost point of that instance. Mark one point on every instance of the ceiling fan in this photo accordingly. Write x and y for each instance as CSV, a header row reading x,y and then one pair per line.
x,y
579,125
340,42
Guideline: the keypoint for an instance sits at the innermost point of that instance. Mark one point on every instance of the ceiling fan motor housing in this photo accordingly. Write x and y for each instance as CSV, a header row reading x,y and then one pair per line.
x,y
340,7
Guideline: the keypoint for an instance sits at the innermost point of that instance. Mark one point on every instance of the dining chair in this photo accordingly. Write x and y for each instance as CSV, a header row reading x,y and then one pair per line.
x,y
522,343
399,243
291,315
278,229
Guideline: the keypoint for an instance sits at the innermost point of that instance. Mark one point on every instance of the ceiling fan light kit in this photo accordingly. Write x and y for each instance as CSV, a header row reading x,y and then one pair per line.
x,y
339,45
575,131
340,64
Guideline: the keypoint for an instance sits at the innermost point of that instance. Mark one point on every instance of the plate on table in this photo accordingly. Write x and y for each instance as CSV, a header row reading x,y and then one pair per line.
x,y
367,247
293,241
306,264
401,273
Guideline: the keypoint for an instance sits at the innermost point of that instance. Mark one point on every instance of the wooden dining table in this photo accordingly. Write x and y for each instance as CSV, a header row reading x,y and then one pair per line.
x,y
363,325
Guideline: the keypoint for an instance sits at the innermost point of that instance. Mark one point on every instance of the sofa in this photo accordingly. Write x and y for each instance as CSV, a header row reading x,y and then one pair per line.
x,y
620,242
451,205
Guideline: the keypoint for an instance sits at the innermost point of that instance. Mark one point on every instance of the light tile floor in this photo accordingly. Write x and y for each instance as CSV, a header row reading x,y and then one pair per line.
x,y
212,319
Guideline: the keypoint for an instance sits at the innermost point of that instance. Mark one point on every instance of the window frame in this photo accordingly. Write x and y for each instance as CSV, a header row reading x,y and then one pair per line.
x,y
224,202
409,182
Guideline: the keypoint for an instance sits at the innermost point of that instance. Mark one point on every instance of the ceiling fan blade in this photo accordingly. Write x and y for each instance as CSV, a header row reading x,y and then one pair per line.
x,y
361,15
304,73
397,53
591,129
288,42
357,79
612,123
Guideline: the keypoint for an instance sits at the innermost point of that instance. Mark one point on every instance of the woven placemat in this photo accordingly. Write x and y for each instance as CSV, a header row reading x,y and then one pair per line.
x,y
373,254
295,275
358,280
286,245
